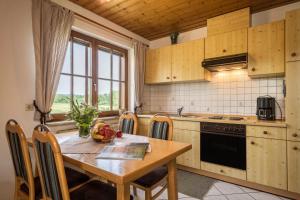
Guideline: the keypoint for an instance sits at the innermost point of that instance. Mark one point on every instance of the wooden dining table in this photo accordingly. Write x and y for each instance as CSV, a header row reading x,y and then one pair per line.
x,y
82,153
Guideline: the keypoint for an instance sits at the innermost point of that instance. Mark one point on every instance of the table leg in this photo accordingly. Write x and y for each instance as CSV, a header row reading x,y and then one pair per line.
x,y
172,181
123,191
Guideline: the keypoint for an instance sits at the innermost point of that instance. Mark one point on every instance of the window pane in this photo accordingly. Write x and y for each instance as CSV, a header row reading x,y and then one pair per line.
x,y
79,89
62,98
67,63
123,93
116,95
104,95
79,58
104,70
123,70
89,61
90,102
116,67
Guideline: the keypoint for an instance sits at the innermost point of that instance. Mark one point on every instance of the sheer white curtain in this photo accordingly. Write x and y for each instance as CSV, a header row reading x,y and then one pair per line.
x,y
139,71
51,30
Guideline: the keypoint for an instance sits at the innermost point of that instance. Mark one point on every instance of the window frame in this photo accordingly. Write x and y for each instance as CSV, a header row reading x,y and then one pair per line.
x,y
96,44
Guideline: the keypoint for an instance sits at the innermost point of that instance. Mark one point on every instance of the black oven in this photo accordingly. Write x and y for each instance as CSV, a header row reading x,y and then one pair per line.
x,y
224,144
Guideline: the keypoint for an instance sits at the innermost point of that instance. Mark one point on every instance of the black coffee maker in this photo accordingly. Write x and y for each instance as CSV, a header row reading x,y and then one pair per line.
x,y
265,109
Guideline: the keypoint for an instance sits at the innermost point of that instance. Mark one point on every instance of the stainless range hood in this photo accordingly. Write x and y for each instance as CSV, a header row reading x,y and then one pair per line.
x,y
238,61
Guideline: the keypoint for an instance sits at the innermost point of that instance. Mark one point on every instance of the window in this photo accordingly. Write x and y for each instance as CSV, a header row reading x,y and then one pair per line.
x,y
94,72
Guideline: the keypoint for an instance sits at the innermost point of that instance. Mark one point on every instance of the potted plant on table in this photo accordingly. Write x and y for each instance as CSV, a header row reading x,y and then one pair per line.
x,y
83,114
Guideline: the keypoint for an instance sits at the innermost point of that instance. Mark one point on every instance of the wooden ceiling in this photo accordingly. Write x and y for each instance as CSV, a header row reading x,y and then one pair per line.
x,y
154,19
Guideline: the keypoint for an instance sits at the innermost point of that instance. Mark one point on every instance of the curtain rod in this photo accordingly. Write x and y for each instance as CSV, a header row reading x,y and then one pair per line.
x,y
93,21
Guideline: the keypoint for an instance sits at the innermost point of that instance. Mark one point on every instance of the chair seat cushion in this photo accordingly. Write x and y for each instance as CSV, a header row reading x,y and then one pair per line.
x,y
152,177
74,178
95,190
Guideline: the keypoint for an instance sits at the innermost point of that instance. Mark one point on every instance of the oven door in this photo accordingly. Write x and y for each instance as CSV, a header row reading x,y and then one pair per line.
x,y
224,149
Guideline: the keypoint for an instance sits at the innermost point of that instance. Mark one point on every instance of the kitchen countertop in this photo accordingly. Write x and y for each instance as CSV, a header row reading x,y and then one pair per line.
x,y
248,120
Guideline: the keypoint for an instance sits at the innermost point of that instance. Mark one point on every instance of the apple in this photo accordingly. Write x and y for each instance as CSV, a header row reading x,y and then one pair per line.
x,y
119,134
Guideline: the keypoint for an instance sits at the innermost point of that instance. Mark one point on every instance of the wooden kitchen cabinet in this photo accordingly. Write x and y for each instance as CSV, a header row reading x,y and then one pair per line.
x,y
266,132
266,162
292,36
143,126
187,62
230,43
158,65
192,157
292,100
266,50
293,153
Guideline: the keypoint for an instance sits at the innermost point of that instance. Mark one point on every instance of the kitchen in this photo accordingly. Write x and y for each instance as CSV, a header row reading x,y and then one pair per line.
x,y
211,86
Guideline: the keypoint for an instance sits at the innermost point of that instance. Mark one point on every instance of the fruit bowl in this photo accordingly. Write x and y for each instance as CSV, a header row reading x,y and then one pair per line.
x,y
103,133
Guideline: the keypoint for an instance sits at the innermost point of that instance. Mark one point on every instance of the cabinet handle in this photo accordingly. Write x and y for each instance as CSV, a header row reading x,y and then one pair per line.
x,y
174,77
252,142
222,171
293,54
168,77
253,69
295,135
295,148
224,50
265,132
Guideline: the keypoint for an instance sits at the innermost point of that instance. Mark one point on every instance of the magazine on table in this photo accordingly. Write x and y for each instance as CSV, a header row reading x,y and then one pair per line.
x,y
129,147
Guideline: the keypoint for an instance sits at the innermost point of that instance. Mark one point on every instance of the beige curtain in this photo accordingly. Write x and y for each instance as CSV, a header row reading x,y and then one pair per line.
x,y
139,71
51,30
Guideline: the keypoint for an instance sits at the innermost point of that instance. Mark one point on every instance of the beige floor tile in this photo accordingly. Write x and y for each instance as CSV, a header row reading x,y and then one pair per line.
x,y
239,197
264,196
228,188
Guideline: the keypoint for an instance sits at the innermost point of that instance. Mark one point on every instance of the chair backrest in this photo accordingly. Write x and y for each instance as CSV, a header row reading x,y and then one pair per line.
x,y
20,154
128,123
50,164
161,127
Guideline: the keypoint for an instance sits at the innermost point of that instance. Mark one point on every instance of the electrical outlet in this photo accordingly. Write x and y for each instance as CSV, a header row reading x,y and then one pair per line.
x,y
29,107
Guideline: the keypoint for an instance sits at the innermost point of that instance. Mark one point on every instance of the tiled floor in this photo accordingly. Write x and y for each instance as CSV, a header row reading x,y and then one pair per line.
x,y
223,191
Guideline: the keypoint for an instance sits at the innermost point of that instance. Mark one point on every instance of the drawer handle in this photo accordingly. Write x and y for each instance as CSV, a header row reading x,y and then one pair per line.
x,y
295,148
295,135
252,142
174,77
293,54
265,132
222,171
253,69
168,77
224,50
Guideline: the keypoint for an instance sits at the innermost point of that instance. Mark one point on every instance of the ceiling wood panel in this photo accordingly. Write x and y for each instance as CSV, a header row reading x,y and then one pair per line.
x,y
154,19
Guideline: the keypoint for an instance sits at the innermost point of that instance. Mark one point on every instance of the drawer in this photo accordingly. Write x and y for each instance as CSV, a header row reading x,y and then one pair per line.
x,y
186,125
223,170
266,132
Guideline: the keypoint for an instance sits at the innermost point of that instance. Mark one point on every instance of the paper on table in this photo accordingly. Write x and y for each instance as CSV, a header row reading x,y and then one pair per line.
x,y
132,139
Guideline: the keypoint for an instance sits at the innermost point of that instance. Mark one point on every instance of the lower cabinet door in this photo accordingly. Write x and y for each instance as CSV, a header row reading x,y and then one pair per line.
x,y
293,153
266,162
192,157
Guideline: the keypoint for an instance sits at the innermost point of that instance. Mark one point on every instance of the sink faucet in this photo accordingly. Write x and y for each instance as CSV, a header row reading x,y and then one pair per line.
x,y
179,111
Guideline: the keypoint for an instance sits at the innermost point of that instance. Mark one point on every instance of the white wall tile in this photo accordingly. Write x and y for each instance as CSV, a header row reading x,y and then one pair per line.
x,y
231,92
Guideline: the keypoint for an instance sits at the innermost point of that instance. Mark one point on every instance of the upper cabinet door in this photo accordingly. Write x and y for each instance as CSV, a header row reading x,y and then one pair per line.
x,y
266,50
187,61
158,65
225,44
292,35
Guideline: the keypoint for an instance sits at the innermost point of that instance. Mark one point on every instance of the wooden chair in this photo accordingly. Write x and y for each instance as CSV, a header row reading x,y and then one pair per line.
x,y
24,180
161,128
53,176
128,123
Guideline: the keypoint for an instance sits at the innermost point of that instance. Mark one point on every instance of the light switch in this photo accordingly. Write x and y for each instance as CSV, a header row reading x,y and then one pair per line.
x,y
29,107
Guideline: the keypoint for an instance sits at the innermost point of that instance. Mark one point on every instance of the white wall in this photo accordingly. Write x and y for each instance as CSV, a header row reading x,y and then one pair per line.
x,y
16,78
263,17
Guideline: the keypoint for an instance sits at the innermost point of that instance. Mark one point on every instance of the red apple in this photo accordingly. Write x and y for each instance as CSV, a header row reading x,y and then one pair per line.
x,y
119,134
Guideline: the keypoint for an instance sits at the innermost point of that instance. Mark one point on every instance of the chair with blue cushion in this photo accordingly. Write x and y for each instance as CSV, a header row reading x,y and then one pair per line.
x,y
161,127
53,175
25,184
128,123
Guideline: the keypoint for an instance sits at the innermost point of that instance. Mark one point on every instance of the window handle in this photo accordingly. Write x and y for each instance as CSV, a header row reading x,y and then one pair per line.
x,y
94,86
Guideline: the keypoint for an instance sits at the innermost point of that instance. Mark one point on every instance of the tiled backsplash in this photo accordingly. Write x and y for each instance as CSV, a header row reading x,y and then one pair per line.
x,y
229,92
